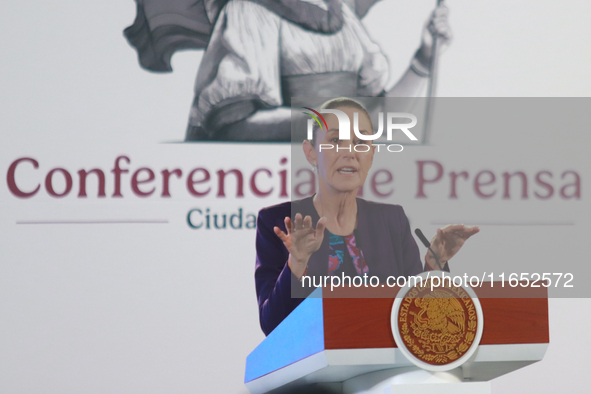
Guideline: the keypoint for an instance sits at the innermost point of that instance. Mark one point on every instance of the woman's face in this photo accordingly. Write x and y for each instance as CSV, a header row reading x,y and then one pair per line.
x,y
341,167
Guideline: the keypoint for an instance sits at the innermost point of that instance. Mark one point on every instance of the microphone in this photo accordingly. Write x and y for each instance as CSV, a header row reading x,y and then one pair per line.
x,y
427,244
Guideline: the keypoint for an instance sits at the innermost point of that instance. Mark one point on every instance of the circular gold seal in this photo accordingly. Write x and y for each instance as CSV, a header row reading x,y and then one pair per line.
x,y
436,323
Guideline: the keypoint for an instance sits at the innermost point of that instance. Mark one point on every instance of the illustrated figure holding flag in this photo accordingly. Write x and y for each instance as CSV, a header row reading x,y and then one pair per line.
x,y
260,53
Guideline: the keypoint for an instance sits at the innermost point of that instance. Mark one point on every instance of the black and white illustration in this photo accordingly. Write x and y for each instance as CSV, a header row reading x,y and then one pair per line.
x,y
260,53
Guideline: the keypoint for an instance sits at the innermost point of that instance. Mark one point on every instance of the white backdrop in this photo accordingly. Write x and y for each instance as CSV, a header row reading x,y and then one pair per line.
x,y
161,307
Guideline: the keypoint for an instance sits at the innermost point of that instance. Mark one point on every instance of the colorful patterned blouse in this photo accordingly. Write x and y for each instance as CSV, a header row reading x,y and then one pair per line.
x,y
345,257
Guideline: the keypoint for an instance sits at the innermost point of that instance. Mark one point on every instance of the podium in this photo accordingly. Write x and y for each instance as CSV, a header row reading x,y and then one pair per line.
x,y
346,345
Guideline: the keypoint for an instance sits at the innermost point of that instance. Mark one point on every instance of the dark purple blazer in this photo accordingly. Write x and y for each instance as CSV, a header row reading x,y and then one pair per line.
x,y
383,234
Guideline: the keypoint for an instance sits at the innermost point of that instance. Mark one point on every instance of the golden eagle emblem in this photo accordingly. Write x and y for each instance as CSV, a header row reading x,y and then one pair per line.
x,y
437,326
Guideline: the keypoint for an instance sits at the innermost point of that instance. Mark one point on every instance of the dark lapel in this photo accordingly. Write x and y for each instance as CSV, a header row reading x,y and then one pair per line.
x,y
373,236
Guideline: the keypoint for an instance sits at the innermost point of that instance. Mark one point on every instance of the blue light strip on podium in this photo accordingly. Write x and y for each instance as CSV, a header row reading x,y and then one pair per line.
x,y
300,335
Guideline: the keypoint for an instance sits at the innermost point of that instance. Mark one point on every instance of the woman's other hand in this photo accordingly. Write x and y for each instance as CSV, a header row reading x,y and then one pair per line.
x,y
448,241
436,26
301,240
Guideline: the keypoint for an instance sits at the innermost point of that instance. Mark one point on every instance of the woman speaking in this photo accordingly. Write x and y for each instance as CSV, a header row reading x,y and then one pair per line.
x,y
334,232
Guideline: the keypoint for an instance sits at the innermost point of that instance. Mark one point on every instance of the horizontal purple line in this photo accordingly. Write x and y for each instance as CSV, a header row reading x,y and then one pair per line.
x,y
94,222
476,223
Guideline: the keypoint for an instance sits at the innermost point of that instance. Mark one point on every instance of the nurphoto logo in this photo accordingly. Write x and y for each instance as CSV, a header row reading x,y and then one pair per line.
x,y
392,124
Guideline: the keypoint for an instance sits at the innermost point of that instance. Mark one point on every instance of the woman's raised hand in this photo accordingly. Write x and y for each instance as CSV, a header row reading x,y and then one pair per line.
x,y
301,240
448,241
